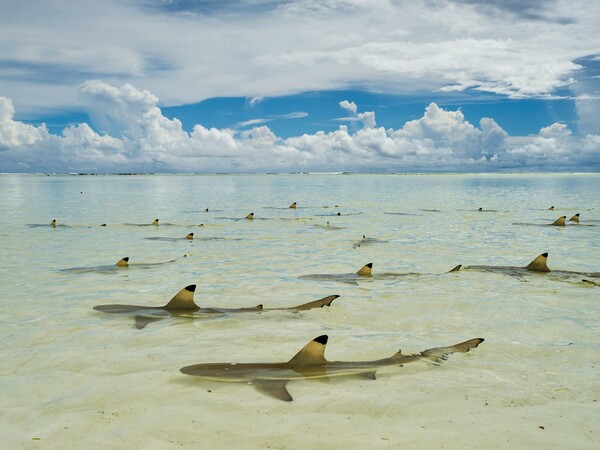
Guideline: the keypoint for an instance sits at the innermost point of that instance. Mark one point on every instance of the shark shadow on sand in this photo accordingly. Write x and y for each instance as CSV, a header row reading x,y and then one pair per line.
x,y
183,305
310,363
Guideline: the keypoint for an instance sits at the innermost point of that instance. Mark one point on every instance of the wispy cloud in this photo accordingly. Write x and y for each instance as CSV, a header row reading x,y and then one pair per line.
x,y
292,115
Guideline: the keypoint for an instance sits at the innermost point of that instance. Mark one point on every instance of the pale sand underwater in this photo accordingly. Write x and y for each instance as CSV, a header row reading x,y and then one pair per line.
x,y
72,377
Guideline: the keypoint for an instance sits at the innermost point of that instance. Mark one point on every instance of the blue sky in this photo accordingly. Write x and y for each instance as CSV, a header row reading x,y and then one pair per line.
x,y
278,85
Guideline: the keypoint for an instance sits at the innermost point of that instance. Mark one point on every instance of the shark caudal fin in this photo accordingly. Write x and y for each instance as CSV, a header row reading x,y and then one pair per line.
x,y
190,236
325,301
292,206
439,354
250,216
560,222
365,271
183,300
53,223
311,353
455,269
123,262
155,222
575,218
539,264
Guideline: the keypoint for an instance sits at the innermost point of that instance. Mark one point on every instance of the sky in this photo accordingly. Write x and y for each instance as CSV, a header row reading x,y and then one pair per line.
x,y
292,86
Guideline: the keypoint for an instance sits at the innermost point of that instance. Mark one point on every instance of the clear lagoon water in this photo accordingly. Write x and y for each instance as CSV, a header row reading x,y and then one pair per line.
x,y
72,377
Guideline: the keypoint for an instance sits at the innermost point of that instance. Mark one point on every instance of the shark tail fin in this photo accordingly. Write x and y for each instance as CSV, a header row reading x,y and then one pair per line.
x,y
325,301
575,218
365,271
560,222
539,264
155,222
455,269
124,262
293,206
190,236
312,353
183,300
250,216
439,354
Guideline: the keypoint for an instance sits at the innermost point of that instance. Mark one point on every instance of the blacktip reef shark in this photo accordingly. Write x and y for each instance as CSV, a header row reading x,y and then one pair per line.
x,y
183,305
365,241
364,273
189,237
538,265
121,264
310,364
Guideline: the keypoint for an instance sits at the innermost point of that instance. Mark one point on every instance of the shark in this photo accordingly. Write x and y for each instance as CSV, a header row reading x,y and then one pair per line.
x,y
367,241
123,263
538,265
310,363
364,273
154,223
183,305
188,237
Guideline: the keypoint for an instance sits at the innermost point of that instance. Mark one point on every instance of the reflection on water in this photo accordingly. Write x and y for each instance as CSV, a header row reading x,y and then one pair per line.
x,y
74,377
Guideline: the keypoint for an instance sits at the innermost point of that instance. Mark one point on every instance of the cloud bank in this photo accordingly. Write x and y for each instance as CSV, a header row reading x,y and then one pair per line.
x,y
134,136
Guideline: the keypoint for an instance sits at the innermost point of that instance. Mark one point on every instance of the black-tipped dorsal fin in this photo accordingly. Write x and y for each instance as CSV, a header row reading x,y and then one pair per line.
x,y
311,353
250,216
575,218
551,208
183,300
124,262
190,236
365,271
293,205
539,264
560,222
155,222
53,223
455,269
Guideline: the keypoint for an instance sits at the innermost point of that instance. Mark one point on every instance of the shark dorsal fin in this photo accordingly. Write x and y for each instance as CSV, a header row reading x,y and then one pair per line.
x,y
53,223
455,269
190,236
250,216
123,262
539,264
480,209
312,353
293,205
560,222
575,218
155,222
551,208
365,271
183,300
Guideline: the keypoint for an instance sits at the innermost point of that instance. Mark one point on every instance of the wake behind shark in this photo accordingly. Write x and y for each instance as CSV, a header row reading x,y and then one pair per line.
x,y
183,305
538,265
364,273
310,363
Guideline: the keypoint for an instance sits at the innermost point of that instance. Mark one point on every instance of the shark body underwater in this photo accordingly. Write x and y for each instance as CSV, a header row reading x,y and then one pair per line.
x,y
364,273
120,265
538,265
183,305
310,363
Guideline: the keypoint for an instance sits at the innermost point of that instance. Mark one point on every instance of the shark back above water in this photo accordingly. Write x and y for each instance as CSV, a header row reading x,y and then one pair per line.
x,y
183,305
310,363
120,264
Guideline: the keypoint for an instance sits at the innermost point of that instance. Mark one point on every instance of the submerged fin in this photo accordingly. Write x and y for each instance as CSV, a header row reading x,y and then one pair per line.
x,y
438,354
560,222
155,222
123,262
539,264
325,301
141,321
183,300
455,269
575,218
273,388
370,375
293,206
250,216
190,236
311,353
365,271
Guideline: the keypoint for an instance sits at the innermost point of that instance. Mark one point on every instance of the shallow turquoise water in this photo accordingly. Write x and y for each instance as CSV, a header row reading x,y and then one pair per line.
x,y
74,377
